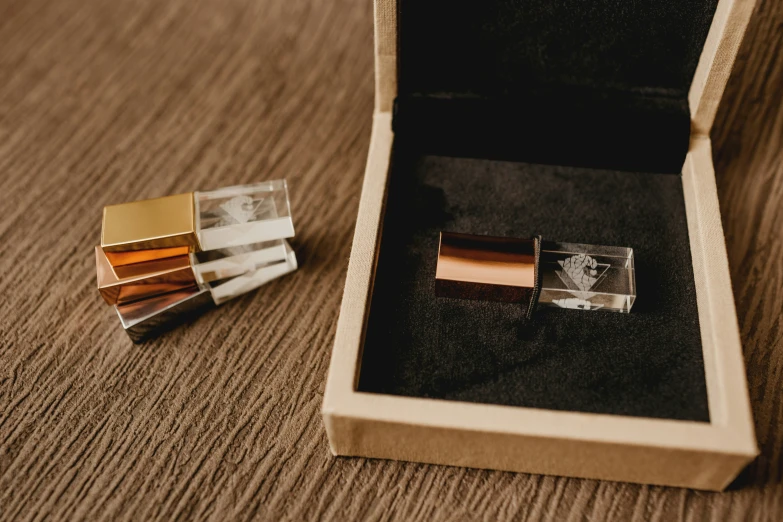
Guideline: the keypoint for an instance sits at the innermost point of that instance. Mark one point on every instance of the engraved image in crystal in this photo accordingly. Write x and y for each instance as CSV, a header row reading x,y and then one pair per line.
x,y
587,277
243,215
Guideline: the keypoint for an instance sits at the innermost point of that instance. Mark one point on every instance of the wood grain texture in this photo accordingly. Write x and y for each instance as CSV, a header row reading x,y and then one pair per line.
x,y
103,102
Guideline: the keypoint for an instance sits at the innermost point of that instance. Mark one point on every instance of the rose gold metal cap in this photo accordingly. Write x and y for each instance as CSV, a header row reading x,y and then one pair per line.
x,y
120,260
142,280
487,268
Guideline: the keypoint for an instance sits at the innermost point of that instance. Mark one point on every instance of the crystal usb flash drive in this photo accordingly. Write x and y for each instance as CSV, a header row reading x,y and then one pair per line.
x,y
146,318
535,272
147,246
132,282
151,229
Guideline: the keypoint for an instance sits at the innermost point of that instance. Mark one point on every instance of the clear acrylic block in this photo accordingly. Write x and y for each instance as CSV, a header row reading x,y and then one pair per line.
x,y
214,265
587,277
243,215
226,289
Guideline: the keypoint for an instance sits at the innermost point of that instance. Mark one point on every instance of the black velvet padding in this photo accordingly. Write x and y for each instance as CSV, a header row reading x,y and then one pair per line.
x,y
647,363
599,83
595,133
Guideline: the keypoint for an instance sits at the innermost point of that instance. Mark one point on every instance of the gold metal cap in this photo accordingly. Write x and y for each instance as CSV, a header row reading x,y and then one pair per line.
x,y
151,223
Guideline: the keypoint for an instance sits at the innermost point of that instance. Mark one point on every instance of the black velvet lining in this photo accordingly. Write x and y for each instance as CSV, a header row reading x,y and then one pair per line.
x,y
647,363
599,133
602,83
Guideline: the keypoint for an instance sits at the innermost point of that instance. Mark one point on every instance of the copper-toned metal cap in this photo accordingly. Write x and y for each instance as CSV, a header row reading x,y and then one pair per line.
x,y
142,280
150,224
487,268
120,260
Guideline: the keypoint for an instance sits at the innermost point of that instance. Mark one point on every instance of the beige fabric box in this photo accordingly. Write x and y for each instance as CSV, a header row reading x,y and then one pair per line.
x,y
702,455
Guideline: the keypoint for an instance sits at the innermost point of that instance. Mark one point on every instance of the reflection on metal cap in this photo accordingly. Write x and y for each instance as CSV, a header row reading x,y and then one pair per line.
x,y
150,317
151,223
486,268
122,260
142,280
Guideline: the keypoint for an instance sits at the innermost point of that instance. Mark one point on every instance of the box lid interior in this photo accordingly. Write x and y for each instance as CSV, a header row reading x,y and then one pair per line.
x,y
596,84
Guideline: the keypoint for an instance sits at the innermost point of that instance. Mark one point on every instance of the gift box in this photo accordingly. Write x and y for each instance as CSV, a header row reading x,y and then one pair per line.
x,y
582,122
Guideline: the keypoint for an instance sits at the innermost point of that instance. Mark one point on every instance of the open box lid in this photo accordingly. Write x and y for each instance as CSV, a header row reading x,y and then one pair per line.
x,y
653,71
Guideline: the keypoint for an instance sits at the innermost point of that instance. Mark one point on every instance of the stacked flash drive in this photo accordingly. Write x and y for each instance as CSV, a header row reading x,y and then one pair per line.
x,y
162,261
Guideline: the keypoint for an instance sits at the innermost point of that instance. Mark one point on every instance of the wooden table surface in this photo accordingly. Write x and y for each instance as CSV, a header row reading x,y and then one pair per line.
x,y
104,102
